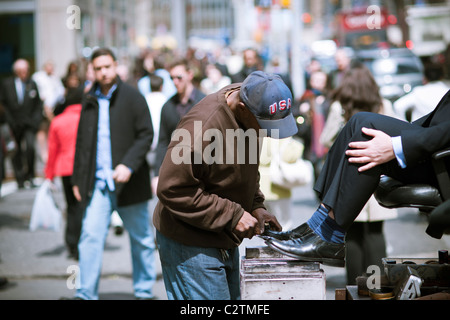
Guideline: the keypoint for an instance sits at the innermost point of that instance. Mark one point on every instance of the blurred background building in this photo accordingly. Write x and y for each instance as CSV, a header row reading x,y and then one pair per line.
x,y
285,31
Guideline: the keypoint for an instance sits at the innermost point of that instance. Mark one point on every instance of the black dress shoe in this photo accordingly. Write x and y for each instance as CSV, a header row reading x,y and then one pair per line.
x,y
299,232
311,248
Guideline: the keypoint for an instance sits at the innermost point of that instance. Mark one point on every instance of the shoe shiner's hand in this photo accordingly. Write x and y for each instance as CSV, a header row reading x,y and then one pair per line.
x,y
264,217
246,227
371,153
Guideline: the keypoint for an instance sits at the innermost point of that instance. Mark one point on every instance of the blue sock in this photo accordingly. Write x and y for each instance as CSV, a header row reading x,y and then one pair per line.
x,y
325,227
317,218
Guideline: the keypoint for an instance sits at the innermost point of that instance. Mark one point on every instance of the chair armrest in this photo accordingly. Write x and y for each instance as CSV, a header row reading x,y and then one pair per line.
x,y
441,154
442,174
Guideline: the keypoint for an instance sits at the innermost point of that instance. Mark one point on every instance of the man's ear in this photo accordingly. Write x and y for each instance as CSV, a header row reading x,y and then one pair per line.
x,y
243,110
190,74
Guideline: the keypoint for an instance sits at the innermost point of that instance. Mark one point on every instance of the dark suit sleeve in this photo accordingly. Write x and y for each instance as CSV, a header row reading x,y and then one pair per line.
x,y
429,134
5,97
420,143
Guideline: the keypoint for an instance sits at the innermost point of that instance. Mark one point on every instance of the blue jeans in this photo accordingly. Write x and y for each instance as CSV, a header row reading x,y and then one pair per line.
x,y
93,235
196,273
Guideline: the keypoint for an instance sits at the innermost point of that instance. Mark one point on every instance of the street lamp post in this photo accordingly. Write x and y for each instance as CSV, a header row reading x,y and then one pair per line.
x,y
297,72
179,23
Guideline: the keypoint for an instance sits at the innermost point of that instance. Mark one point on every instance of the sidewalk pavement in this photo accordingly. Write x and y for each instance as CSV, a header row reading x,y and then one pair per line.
x,y
36,263
37,266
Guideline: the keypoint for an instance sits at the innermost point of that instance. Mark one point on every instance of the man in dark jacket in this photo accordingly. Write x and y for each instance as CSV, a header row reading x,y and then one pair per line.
x,y
110,173
23,106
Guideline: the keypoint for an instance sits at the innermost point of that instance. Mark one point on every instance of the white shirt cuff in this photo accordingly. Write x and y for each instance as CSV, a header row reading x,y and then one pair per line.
x,y
398,151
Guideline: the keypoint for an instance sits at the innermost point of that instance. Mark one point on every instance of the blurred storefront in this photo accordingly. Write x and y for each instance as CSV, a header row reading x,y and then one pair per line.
x,y
65,30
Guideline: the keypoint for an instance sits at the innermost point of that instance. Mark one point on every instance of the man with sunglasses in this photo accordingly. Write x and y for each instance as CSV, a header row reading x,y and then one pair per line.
x,y
175,108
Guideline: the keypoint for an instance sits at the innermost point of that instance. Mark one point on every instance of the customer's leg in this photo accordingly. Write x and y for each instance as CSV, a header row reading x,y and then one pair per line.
x,y
341,186
137,222
194,273
93,234
343,191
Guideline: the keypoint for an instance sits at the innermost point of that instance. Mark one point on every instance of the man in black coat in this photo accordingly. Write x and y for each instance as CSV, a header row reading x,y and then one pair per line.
x,y
110,173
369,145
23,106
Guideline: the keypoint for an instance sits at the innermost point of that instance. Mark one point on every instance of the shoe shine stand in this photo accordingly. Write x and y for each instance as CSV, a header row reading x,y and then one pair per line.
x,y
269,275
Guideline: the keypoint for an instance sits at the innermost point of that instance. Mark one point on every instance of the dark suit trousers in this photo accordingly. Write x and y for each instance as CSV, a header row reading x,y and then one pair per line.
x,y
344,189
24,159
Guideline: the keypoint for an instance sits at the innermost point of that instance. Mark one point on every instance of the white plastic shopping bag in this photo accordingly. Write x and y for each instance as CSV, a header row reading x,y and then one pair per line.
x,y
45,213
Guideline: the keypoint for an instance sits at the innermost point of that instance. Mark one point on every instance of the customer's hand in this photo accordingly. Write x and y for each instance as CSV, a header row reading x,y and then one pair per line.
x,y
371,153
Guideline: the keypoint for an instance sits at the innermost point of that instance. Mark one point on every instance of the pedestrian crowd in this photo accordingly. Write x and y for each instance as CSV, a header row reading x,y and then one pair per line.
x,y
109,131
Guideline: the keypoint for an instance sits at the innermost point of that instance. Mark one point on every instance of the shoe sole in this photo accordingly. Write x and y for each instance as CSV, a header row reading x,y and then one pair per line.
x,y
325,261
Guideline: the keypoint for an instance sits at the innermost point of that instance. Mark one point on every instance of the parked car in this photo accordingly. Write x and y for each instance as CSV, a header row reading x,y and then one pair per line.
x,y
397,71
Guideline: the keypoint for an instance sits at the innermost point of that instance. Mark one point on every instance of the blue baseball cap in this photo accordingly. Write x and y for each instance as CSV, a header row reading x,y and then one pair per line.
x,y
270,101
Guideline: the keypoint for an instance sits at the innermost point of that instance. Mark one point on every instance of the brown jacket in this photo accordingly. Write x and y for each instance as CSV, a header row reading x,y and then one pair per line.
x,y
200,204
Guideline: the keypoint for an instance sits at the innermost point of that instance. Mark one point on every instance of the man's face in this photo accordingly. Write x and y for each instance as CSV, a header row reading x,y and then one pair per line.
x,y
250,58
318,80
181,78
22,70
105,70
342,60
49,68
